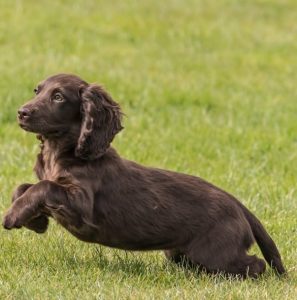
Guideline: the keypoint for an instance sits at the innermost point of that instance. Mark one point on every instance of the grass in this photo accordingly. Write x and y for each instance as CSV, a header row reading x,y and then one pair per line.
x,y
208,87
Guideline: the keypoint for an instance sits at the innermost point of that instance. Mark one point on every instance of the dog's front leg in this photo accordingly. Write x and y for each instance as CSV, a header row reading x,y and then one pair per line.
x,y
38,224
20,190
34,202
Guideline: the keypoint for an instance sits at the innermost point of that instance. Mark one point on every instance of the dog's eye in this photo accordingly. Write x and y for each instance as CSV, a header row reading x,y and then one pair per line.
x,y
58,97
35,91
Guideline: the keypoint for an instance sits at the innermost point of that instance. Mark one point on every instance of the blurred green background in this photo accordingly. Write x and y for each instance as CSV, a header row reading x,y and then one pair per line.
x,y
208,88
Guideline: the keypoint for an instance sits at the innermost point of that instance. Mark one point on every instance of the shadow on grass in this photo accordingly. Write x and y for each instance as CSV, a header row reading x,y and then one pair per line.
x,y
124,265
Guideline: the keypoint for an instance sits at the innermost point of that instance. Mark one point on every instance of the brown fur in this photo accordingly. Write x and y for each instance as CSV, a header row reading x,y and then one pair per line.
x,y
102,198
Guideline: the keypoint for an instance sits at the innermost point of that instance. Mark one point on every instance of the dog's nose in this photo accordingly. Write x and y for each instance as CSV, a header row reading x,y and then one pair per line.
x,y
24,113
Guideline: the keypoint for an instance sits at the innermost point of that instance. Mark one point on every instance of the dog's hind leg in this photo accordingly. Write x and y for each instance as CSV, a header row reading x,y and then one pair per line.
x,y
179,258
175,256
226,253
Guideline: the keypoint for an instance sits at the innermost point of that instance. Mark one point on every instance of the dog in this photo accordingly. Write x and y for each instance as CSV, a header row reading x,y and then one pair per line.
x,y
103,198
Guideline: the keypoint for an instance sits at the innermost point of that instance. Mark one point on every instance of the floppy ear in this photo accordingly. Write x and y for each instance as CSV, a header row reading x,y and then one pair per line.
x,y
101,121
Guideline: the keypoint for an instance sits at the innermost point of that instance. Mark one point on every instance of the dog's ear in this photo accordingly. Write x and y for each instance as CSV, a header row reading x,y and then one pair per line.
x,y
101,121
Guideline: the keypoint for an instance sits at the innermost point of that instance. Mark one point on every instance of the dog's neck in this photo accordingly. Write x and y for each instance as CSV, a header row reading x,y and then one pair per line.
x,y
57,145
65,146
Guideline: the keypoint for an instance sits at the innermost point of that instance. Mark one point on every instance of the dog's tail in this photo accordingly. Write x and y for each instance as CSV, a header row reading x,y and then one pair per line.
x,y
265,242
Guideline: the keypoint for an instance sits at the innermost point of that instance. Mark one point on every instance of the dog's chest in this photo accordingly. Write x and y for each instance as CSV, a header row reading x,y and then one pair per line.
x,y
52,169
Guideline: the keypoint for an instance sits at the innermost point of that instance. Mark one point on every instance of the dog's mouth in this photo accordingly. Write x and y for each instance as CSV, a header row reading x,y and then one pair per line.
x,y
40,129
24,125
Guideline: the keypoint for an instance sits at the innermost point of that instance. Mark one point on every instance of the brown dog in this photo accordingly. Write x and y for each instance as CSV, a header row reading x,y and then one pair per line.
x,y
102,198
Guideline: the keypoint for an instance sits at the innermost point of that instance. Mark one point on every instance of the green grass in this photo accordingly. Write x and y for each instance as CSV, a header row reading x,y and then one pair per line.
x,y
208,87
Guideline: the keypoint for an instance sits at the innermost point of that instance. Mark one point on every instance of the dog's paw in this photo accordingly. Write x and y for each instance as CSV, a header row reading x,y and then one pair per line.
x,y
10,221
39,224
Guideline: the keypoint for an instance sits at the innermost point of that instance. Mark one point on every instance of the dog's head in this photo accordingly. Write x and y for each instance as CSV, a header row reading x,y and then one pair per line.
x,y
65,103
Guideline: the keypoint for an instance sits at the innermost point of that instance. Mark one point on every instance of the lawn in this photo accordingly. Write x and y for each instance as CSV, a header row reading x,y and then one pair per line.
x,y
209,88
